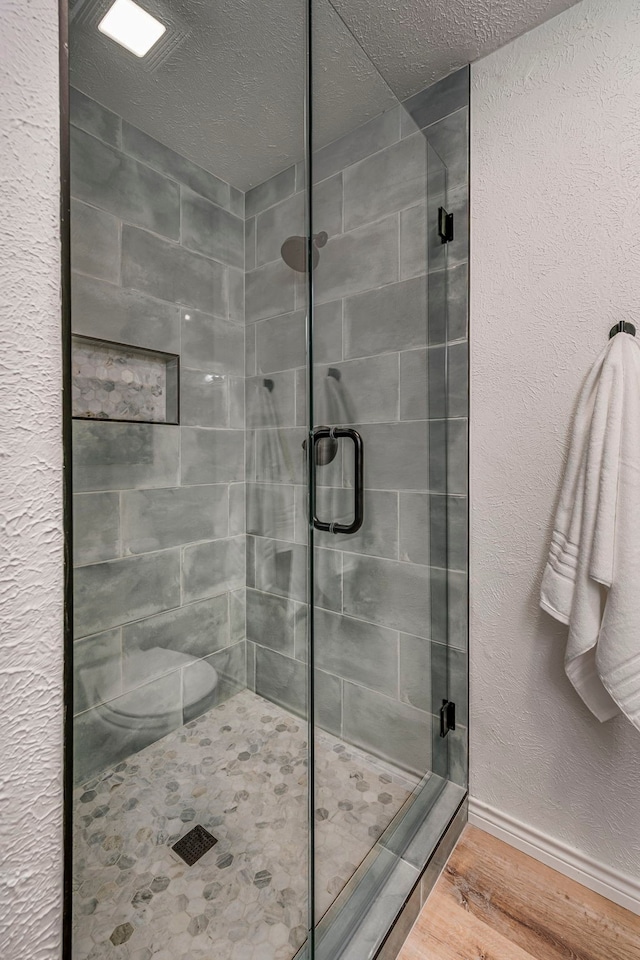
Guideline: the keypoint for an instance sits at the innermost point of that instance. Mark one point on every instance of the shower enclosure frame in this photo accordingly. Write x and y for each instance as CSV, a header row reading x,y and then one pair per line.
x,y
407,911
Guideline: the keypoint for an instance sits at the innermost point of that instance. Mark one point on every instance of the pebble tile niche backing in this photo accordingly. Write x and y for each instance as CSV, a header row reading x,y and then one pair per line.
x,y
110,382
165,558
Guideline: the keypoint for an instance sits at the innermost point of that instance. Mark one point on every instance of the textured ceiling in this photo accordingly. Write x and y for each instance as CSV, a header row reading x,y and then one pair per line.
x,y
230,95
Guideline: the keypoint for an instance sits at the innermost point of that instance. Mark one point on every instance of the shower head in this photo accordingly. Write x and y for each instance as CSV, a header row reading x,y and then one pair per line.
x,y
294,251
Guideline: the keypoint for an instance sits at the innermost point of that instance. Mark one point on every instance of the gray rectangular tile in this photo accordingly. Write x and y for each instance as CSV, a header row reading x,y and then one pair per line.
x,y
250,244
450,323
237,509
273,190
231,669
117,456
357,651
459,756
236,403
449,607
278,455
236,202
449,678
386,182
250,350
274,225
97,669
269,291
107,178
98,744
357,144
115,592
448,457
212,343
281,568
328,205
196,629
251,665
281,680
387,592
301,631
327,332
396,455
270,402
96,527
209,569
364,390
210,230
328,702
281,342
388,728
448,522
413,241
154,153
458,204
204,398
169,272
211,456
359,260
107,312
270,621
415,672
95,242
450,138
414,395
378,535
237,614
387,319
236,294
415,528
93,118
440,99
270,510
448,364
155,519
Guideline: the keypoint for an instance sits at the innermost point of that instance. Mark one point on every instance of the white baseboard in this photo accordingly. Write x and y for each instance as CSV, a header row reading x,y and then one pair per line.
x,y
618,887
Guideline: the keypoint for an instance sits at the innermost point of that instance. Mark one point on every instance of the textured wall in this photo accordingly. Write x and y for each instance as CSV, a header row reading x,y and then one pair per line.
x,y
30,470
555,261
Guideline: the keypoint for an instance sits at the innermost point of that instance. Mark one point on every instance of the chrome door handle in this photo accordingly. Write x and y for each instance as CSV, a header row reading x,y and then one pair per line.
x,y
335,433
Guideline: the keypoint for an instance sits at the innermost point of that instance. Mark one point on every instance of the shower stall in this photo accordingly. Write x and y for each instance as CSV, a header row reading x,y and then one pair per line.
x,y
267,402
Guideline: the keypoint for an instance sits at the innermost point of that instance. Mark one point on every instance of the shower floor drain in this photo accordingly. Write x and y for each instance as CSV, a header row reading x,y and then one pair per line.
x,y
194,845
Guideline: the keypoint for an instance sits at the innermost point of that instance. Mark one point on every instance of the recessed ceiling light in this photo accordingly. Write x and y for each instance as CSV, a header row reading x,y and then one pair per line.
x,y
131,26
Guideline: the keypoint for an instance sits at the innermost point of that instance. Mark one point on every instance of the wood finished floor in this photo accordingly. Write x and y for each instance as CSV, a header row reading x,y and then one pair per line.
x,y
494,903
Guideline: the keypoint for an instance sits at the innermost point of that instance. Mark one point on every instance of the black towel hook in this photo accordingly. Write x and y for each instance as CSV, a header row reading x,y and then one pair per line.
x,y
622,327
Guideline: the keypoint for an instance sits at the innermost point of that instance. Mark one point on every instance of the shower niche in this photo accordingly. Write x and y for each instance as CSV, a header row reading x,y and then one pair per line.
x,y
113,381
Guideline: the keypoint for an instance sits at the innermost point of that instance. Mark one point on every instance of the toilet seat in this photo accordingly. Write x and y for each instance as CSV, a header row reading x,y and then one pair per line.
x,y
154,701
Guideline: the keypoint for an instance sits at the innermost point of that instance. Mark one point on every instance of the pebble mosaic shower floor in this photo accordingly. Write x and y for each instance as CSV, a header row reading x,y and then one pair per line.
x,y
240,771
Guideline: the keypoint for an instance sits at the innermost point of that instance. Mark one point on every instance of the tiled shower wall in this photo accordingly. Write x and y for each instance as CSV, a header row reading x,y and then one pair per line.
x,y
158,258
158,263
378,366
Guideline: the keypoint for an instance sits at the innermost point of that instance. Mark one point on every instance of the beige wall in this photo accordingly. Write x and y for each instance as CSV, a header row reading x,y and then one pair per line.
x,y
555,261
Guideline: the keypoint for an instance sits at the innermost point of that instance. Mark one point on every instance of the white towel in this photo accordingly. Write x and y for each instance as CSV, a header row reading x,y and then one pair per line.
x,y
592,577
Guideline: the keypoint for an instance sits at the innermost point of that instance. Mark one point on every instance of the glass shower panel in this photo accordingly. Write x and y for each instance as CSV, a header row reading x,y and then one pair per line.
x,y
190,812
377,189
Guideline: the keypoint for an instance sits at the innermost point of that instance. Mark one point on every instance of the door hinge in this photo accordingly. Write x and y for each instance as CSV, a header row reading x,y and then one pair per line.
x,y
447,717
445,225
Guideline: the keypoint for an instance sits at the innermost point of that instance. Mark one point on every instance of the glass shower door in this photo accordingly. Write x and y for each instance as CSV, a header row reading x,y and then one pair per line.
x,y
379,636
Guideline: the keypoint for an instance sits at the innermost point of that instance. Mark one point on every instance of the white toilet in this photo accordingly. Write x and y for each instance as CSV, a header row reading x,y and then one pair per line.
x,y
153,706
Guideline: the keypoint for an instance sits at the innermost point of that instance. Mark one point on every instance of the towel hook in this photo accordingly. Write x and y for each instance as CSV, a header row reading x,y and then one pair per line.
x,y
622,327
